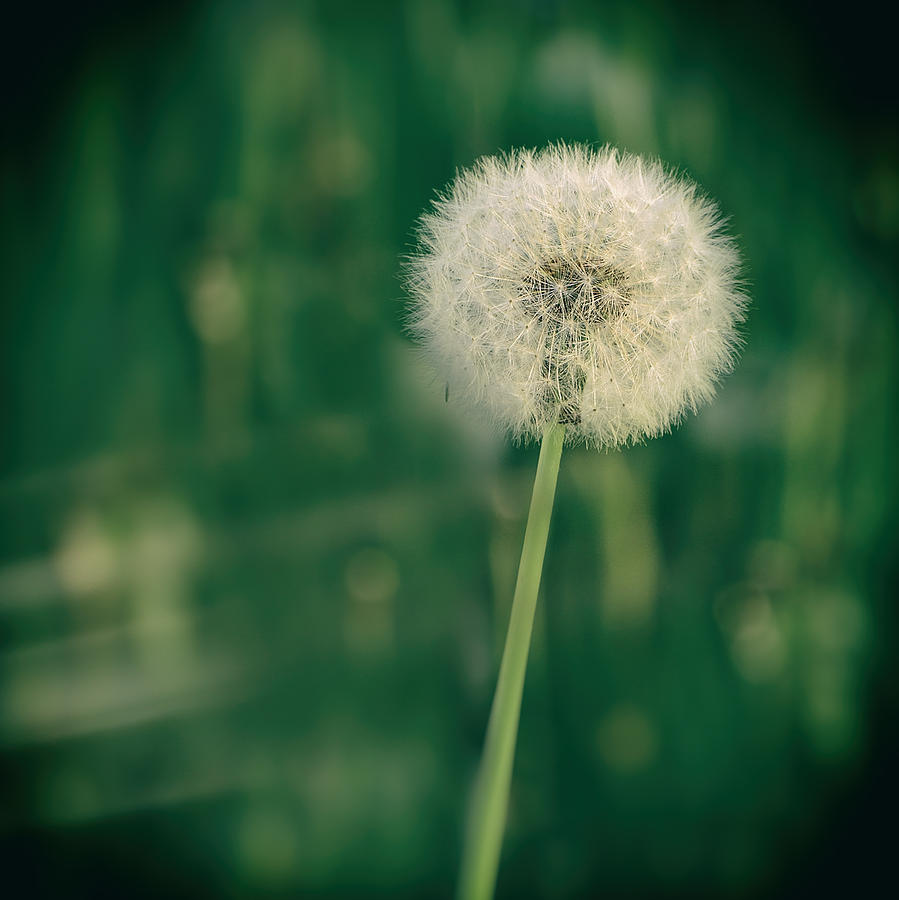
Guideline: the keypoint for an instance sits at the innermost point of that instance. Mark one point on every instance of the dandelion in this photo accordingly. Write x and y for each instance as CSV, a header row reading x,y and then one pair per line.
x,y
568,294
584,287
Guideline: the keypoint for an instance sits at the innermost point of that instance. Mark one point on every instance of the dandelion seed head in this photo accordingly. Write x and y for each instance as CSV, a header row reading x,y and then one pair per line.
x,y
576,285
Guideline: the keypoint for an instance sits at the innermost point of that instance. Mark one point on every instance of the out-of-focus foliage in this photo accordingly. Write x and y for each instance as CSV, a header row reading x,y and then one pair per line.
x,y
254,570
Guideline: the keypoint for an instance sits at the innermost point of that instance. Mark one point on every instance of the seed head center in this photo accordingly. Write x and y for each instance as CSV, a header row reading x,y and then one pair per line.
x,y
575,292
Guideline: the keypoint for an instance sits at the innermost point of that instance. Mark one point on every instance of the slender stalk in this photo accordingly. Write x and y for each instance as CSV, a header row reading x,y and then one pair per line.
x,y
487,817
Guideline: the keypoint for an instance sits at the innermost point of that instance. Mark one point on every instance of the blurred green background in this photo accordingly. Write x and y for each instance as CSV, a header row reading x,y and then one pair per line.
x,y
255,572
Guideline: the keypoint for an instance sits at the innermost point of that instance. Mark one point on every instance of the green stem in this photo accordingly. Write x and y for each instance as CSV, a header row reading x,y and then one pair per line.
x,y
487,818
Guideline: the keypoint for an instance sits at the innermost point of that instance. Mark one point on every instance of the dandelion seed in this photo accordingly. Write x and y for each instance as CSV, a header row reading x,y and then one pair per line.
x,y
577,286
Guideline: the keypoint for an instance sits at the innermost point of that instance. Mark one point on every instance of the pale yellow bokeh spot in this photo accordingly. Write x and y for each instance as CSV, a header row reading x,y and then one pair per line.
x,y
627,739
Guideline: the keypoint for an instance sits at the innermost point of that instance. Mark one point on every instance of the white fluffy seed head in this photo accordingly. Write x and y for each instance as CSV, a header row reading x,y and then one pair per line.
x,y
575,285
